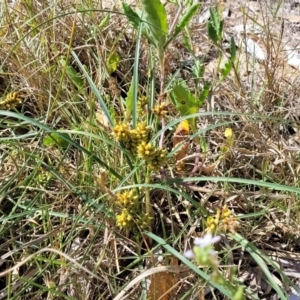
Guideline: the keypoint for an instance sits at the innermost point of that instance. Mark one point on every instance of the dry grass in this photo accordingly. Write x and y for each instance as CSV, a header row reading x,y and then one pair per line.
x,y
59,239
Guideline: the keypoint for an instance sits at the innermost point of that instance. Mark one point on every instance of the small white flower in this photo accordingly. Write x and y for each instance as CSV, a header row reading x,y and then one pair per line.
x,y
203,243
189,254
207,240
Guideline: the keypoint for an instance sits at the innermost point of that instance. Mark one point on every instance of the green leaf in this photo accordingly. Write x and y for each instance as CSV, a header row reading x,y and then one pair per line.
x,y
261,260
135,20
198,70
226,70
212,33
239,294
104,22
214,19
131,15
187,42
74,76
156,17
186,103
186,18
129,102
204,93
203,145
112,62
232,50
214,26
54,139
94,89
184,100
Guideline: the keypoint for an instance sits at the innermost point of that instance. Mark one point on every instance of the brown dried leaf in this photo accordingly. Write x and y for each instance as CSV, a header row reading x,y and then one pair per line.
x,y
161,286
180,135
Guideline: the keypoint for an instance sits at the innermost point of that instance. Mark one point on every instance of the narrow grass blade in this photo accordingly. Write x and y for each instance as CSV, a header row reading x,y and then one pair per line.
x,y
135,79
61,135
189,264
258,257
270,185
94,89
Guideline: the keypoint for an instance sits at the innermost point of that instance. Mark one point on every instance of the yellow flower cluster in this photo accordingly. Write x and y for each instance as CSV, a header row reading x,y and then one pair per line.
x,y
154,157
128,199
136,140
140,134
160,110
142,102
130,216
43,177
132,137
121,132
229,142
222,221
10,100
125,220
144,221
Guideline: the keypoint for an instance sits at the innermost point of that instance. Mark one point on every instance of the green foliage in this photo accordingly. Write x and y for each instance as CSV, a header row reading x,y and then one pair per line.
x,y
129,101
56,140
186,18
74,76
112,62
136,21
94,172
229,64
197,71
232,50
261,260
215,26
240,294
104,22
156,17
184,100
205,92
94,89
186,103
131,15
187,42
226,70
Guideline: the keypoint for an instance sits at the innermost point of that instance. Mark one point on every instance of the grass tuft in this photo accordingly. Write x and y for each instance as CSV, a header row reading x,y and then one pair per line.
x,y
129,133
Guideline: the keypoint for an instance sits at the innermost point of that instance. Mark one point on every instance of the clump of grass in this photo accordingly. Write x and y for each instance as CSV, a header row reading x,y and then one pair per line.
x,y
90,184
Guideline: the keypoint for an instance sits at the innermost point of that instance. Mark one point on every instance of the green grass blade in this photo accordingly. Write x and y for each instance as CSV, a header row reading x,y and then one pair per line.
x,y
94,89
193,267
270,185
61,135
258,257
135,79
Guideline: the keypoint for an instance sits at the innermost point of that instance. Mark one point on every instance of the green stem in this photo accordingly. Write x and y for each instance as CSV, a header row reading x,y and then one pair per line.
x,y
149,209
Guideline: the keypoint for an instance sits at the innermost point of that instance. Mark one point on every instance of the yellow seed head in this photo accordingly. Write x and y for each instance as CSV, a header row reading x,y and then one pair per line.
x,y
10,100
121,132
144,221
128,199
146,151
124,220
226,212
143,101
160,110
